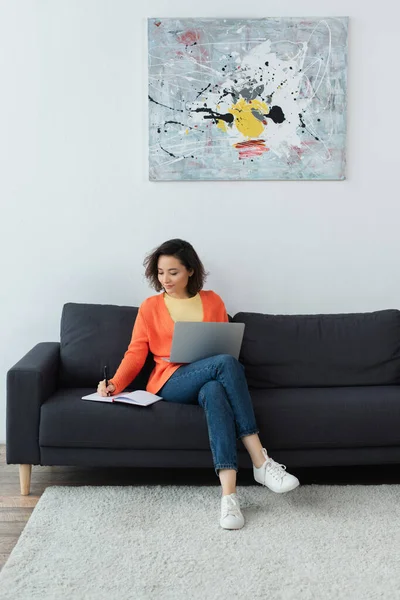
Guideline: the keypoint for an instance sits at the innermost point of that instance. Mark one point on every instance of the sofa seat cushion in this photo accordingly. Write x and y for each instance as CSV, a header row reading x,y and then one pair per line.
x,y
346,417
67,421
288,418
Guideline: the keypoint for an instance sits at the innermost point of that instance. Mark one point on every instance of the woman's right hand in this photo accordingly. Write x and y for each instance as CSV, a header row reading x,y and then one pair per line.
x,y
102,390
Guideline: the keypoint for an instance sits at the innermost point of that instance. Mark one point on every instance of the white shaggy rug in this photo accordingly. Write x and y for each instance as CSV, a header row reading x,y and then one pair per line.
x,y
165,542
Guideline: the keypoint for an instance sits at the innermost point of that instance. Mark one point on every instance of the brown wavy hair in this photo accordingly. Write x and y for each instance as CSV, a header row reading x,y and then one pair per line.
x,y
186,254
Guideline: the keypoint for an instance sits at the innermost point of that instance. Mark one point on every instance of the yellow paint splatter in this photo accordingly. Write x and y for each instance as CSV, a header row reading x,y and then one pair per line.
x,y
245,121
222,125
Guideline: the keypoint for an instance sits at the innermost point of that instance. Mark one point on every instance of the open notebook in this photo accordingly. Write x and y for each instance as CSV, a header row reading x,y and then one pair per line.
x,y
138,397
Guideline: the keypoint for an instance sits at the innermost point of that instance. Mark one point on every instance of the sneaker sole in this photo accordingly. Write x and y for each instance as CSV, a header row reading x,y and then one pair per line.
x,y
287,490
290,489
233,527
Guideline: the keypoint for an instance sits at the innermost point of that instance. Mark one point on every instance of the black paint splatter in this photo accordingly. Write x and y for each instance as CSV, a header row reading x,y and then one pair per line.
x,y
227,93
170,153
183,125
206,88
174,155
276,114
303,125
165,106
228,118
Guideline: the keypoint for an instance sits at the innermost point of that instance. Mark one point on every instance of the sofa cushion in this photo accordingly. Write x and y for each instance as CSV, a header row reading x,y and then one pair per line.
x,y
67,421
303,418
332,417
92,336
321,350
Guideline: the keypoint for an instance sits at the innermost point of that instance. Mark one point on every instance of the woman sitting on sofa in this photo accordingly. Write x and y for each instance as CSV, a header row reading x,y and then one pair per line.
x,y
218,383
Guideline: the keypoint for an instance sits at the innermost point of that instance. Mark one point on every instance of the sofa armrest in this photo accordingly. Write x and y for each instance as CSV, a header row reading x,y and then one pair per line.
x,y
30,382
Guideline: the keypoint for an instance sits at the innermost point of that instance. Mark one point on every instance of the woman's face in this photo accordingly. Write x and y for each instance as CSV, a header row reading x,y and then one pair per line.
x,y
173,276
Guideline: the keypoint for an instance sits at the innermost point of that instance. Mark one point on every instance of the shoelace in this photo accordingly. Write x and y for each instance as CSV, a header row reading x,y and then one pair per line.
x,y
276,469
230,506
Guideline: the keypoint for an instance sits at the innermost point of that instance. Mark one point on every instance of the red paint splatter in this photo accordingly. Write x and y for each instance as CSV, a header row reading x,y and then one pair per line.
x,y
303,148
189,37
157,23
251,148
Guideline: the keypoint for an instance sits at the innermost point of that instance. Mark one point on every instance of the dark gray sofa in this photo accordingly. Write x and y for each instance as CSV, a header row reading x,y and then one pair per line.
x,y
325,389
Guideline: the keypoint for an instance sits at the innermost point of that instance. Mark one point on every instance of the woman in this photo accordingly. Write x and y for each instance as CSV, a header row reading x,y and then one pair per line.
x,y
218,383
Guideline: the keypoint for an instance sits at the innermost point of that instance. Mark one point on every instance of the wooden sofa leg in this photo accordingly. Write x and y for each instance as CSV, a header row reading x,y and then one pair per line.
x,y
25,479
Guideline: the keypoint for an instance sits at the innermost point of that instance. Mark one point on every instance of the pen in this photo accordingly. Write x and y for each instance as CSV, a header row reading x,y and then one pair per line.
x,y
106,378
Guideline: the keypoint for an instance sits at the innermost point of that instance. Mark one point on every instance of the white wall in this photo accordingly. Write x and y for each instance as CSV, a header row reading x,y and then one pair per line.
x,y
79,214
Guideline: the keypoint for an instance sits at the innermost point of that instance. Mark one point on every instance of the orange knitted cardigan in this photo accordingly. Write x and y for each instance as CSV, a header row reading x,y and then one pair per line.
x,y
153,330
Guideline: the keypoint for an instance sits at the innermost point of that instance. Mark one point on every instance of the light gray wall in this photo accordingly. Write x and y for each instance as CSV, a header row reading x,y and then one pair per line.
x,y
79,214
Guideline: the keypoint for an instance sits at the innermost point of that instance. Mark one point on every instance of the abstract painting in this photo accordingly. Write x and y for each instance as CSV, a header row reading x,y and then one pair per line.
x,y
241,99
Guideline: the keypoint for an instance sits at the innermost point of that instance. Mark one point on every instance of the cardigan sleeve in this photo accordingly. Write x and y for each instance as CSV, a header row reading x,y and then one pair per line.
x,y
135,356
224,314
220,310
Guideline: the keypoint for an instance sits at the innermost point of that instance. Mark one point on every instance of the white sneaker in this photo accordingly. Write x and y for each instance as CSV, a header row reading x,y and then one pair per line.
x,y
231,515
274,476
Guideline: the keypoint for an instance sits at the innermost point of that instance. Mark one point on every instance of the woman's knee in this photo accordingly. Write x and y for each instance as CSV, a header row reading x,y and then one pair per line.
x,y
226,361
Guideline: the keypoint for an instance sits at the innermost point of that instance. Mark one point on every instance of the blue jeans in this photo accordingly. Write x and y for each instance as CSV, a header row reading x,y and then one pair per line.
x,y
219,385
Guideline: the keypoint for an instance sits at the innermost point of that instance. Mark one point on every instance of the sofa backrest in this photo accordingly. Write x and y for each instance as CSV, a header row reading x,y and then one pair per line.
x,y
321,350
92,336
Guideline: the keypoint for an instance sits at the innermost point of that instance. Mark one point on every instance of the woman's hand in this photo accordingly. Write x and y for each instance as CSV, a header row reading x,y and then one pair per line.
x,y
102,390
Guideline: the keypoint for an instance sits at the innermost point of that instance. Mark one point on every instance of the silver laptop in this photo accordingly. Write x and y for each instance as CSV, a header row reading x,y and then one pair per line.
x,y
194,340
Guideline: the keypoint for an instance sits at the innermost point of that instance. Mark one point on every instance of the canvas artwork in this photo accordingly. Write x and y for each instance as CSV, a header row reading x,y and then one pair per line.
x,y
240,99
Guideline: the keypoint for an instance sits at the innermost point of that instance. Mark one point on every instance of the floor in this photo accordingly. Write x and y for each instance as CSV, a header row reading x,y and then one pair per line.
x,y
15,509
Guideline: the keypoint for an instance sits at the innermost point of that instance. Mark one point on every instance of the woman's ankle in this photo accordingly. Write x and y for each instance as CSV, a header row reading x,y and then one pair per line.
x,y
228,481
